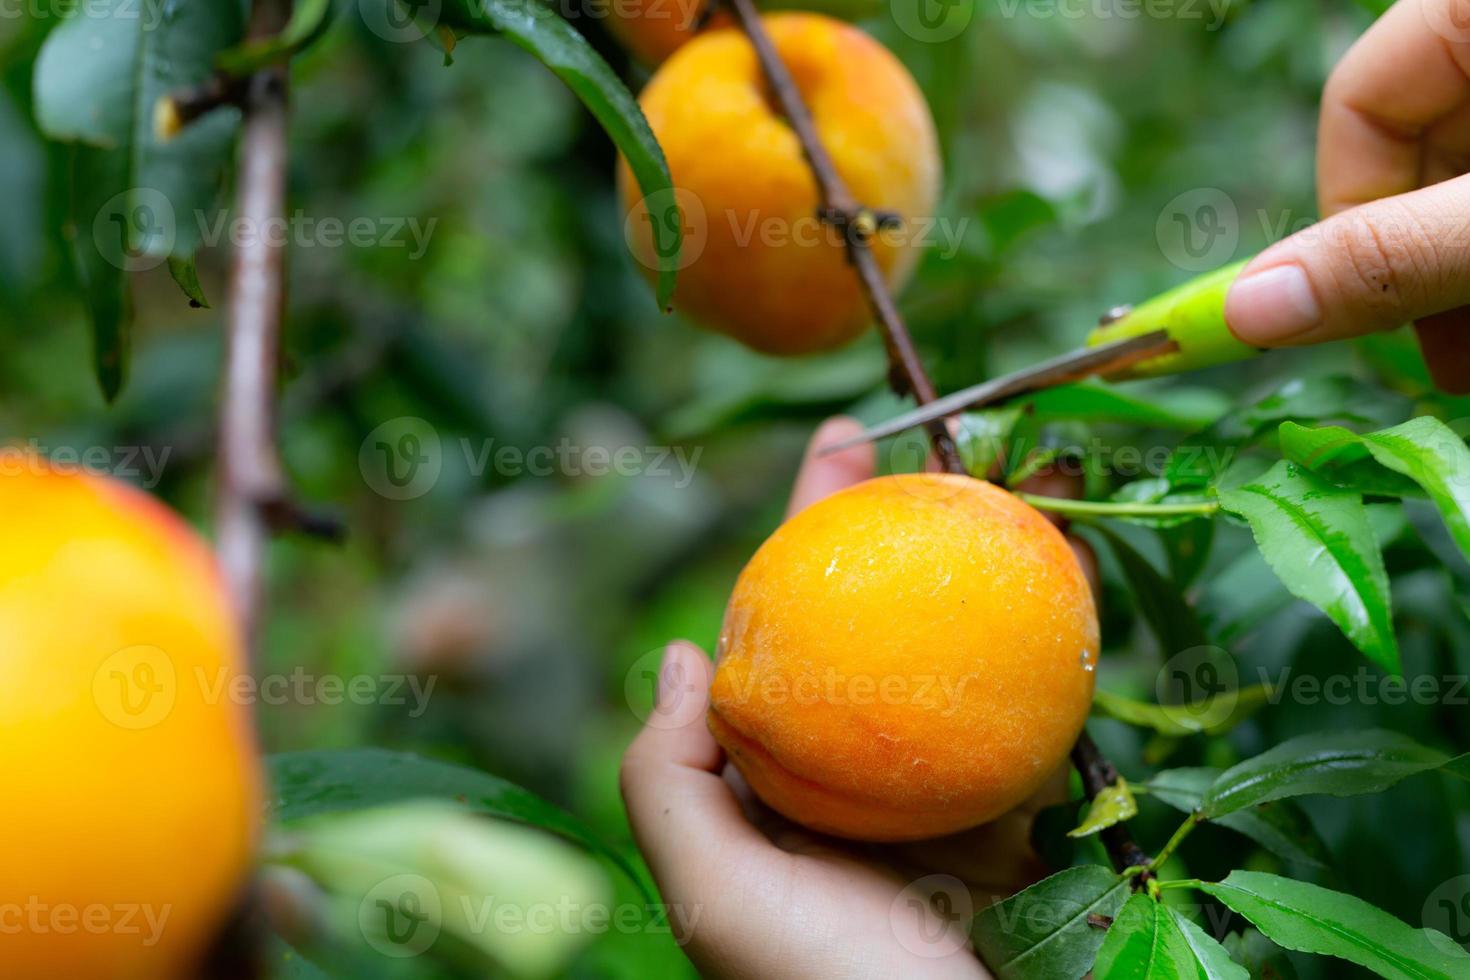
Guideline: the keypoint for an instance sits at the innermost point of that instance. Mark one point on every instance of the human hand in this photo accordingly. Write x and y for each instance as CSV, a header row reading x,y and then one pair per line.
x,y
766,898
1392,157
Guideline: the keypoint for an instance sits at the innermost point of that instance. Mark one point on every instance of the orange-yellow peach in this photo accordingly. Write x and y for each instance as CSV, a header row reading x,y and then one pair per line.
x,y
907,658
131,788
653,29
758,264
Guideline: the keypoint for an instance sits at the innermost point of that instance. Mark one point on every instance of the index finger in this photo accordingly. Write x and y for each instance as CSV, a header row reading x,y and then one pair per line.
x,y
821,476
1410,70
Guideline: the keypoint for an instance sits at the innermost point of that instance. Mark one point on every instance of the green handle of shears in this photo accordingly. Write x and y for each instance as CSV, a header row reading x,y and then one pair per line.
x,y
1193,314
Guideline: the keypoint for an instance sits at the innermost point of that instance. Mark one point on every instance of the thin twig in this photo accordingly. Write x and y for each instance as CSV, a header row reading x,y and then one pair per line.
x,y
858,224
1097,775
177,110
251,482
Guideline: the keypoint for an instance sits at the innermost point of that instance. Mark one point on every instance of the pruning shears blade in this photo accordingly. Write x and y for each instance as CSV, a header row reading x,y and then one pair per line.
x,y
1101,360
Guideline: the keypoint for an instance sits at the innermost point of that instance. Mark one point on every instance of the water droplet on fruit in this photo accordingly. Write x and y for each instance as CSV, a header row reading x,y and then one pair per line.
x,y
1089,660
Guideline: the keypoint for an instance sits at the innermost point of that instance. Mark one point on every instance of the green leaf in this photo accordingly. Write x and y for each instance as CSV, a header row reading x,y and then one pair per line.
x,y
438,861
104,283
1036,460
1317,539
185,273
552,41
1160,603
1157,490
982,438
1341,456
309,21
1421,453
1045,930
1185,408
306,784
283,962
134,201
1311,919
1214,959
1218,714
1201,458
1282,827
1148,941
1347,763
1112,805
1158,717
1187,549
1263,958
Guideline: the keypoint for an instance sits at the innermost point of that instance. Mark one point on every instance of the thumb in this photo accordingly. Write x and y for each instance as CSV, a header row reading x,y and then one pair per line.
x,y
1370,268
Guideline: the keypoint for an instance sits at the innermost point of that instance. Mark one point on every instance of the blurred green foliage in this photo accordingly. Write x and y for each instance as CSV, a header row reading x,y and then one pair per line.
x,y
537,601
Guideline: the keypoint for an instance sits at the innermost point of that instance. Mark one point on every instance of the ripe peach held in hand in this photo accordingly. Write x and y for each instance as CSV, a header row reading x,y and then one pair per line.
x,y
758,264
907,658
131,787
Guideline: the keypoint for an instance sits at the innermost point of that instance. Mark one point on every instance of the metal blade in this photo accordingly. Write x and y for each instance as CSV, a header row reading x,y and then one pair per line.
x,y
1102,360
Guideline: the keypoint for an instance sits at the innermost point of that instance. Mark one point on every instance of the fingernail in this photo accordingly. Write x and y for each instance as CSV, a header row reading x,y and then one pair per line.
x,y
1273,306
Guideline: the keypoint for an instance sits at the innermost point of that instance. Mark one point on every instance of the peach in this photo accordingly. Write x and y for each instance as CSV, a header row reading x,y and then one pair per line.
x,y
907,658
132,790
758,263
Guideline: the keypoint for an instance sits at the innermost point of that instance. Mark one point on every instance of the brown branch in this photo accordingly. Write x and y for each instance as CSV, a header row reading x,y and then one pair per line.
x,y
906,372
251,482
178,109
1097,775
858,224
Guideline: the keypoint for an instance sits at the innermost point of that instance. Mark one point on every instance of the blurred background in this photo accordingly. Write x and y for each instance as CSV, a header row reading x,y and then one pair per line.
x,y
518,346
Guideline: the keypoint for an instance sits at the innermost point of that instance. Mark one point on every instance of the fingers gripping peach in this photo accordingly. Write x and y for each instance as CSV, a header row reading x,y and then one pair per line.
x,y
758,264
907,658
131,789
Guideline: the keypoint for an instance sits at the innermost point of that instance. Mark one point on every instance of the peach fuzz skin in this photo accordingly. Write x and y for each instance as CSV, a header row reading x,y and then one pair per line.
x,y
760,267
908,658
138,783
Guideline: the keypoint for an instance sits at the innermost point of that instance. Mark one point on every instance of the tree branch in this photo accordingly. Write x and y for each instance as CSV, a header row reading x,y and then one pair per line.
x,y
858,223
1097,775
251,483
